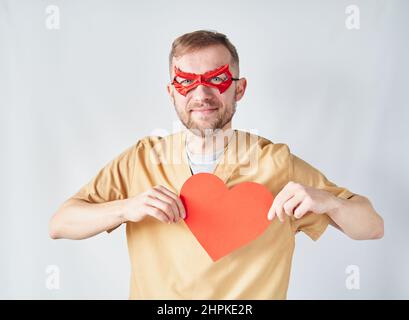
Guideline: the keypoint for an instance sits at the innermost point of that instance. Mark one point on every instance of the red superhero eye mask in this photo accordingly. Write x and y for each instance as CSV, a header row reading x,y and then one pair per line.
x,y
219,78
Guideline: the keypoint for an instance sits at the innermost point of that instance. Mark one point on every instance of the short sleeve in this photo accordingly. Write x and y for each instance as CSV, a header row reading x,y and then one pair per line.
x,y
113,181
311,223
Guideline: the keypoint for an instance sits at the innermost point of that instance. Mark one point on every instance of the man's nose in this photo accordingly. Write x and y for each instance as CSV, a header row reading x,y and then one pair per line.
x,y
202,92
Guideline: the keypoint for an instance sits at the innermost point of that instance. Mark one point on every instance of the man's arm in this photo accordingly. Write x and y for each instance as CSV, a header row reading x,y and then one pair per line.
x,y
78,219
355,216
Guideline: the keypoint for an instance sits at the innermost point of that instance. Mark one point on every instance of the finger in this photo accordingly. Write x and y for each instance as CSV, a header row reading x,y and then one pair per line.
x,y
159,193
177,199
280,213
281,197
302,209
285,194
172,198
158,201
156,213
271,213
291,204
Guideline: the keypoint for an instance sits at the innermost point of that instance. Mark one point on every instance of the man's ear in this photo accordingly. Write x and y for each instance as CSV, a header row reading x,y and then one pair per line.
x,y
171,93
240,88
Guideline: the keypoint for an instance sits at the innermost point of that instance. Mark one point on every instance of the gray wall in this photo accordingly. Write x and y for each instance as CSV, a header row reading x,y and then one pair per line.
x,y
73,98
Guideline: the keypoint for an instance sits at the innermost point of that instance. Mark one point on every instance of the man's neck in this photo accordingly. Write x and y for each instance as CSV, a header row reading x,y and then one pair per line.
x,y
209,144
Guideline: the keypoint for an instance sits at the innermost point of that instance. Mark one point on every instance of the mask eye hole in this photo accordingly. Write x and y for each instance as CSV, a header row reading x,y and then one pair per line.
x,y
184,82
218,79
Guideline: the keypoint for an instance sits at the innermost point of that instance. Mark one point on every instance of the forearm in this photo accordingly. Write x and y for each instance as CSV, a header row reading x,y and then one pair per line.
x,y
357,218
78,219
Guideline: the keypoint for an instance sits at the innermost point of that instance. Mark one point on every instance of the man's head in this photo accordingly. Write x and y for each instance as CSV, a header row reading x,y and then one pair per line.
x,y
210,105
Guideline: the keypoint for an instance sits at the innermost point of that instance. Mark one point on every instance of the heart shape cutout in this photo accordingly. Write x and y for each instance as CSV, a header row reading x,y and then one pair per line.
x,y
224,220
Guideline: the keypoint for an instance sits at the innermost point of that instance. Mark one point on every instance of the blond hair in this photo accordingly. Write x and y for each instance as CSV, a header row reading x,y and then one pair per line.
x,y
200,39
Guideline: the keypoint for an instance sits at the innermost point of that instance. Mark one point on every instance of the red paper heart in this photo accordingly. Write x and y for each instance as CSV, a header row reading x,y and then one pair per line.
x,y
224,220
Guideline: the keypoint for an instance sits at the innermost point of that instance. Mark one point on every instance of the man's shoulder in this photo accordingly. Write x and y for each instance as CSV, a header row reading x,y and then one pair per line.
x,y
154,146
243,137
263,143
150,141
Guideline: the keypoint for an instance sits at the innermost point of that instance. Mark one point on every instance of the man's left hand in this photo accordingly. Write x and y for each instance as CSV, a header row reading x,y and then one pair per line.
x,y
296,200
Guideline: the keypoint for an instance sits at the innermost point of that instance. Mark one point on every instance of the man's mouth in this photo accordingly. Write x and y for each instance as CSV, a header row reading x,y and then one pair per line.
x,y
203,110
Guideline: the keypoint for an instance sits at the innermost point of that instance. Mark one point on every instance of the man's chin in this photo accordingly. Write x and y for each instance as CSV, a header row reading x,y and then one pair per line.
x,y
201,131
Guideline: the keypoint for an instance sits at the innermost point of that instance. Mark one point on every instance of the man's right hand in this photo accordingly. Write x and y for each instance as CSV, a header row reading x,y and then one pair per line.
x,y
158,202
79,219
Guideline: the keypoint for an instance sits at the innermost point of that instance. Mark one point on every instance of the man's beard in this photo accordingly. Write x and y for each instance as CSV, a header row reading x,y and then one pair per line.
x,y
214,123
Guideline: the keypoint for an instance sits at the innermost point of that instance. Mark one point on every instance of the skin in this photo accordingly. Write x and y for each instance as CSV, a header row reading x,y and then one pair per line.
x,y
356,216
207,113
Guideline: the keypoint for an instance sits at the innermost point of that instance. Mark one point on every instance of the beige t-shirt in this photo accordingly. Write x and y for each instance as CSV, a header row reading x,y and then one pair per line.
x,y
167,262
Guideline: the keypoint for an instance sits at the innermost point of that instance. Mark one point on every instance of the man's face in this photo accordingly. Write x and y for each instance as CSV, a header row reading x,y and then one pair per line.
x,y
204,109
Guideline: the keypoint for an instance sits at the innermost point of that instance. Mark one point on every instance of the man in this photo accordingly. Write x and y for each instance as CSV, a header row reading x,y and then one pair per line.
x,y
141,186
